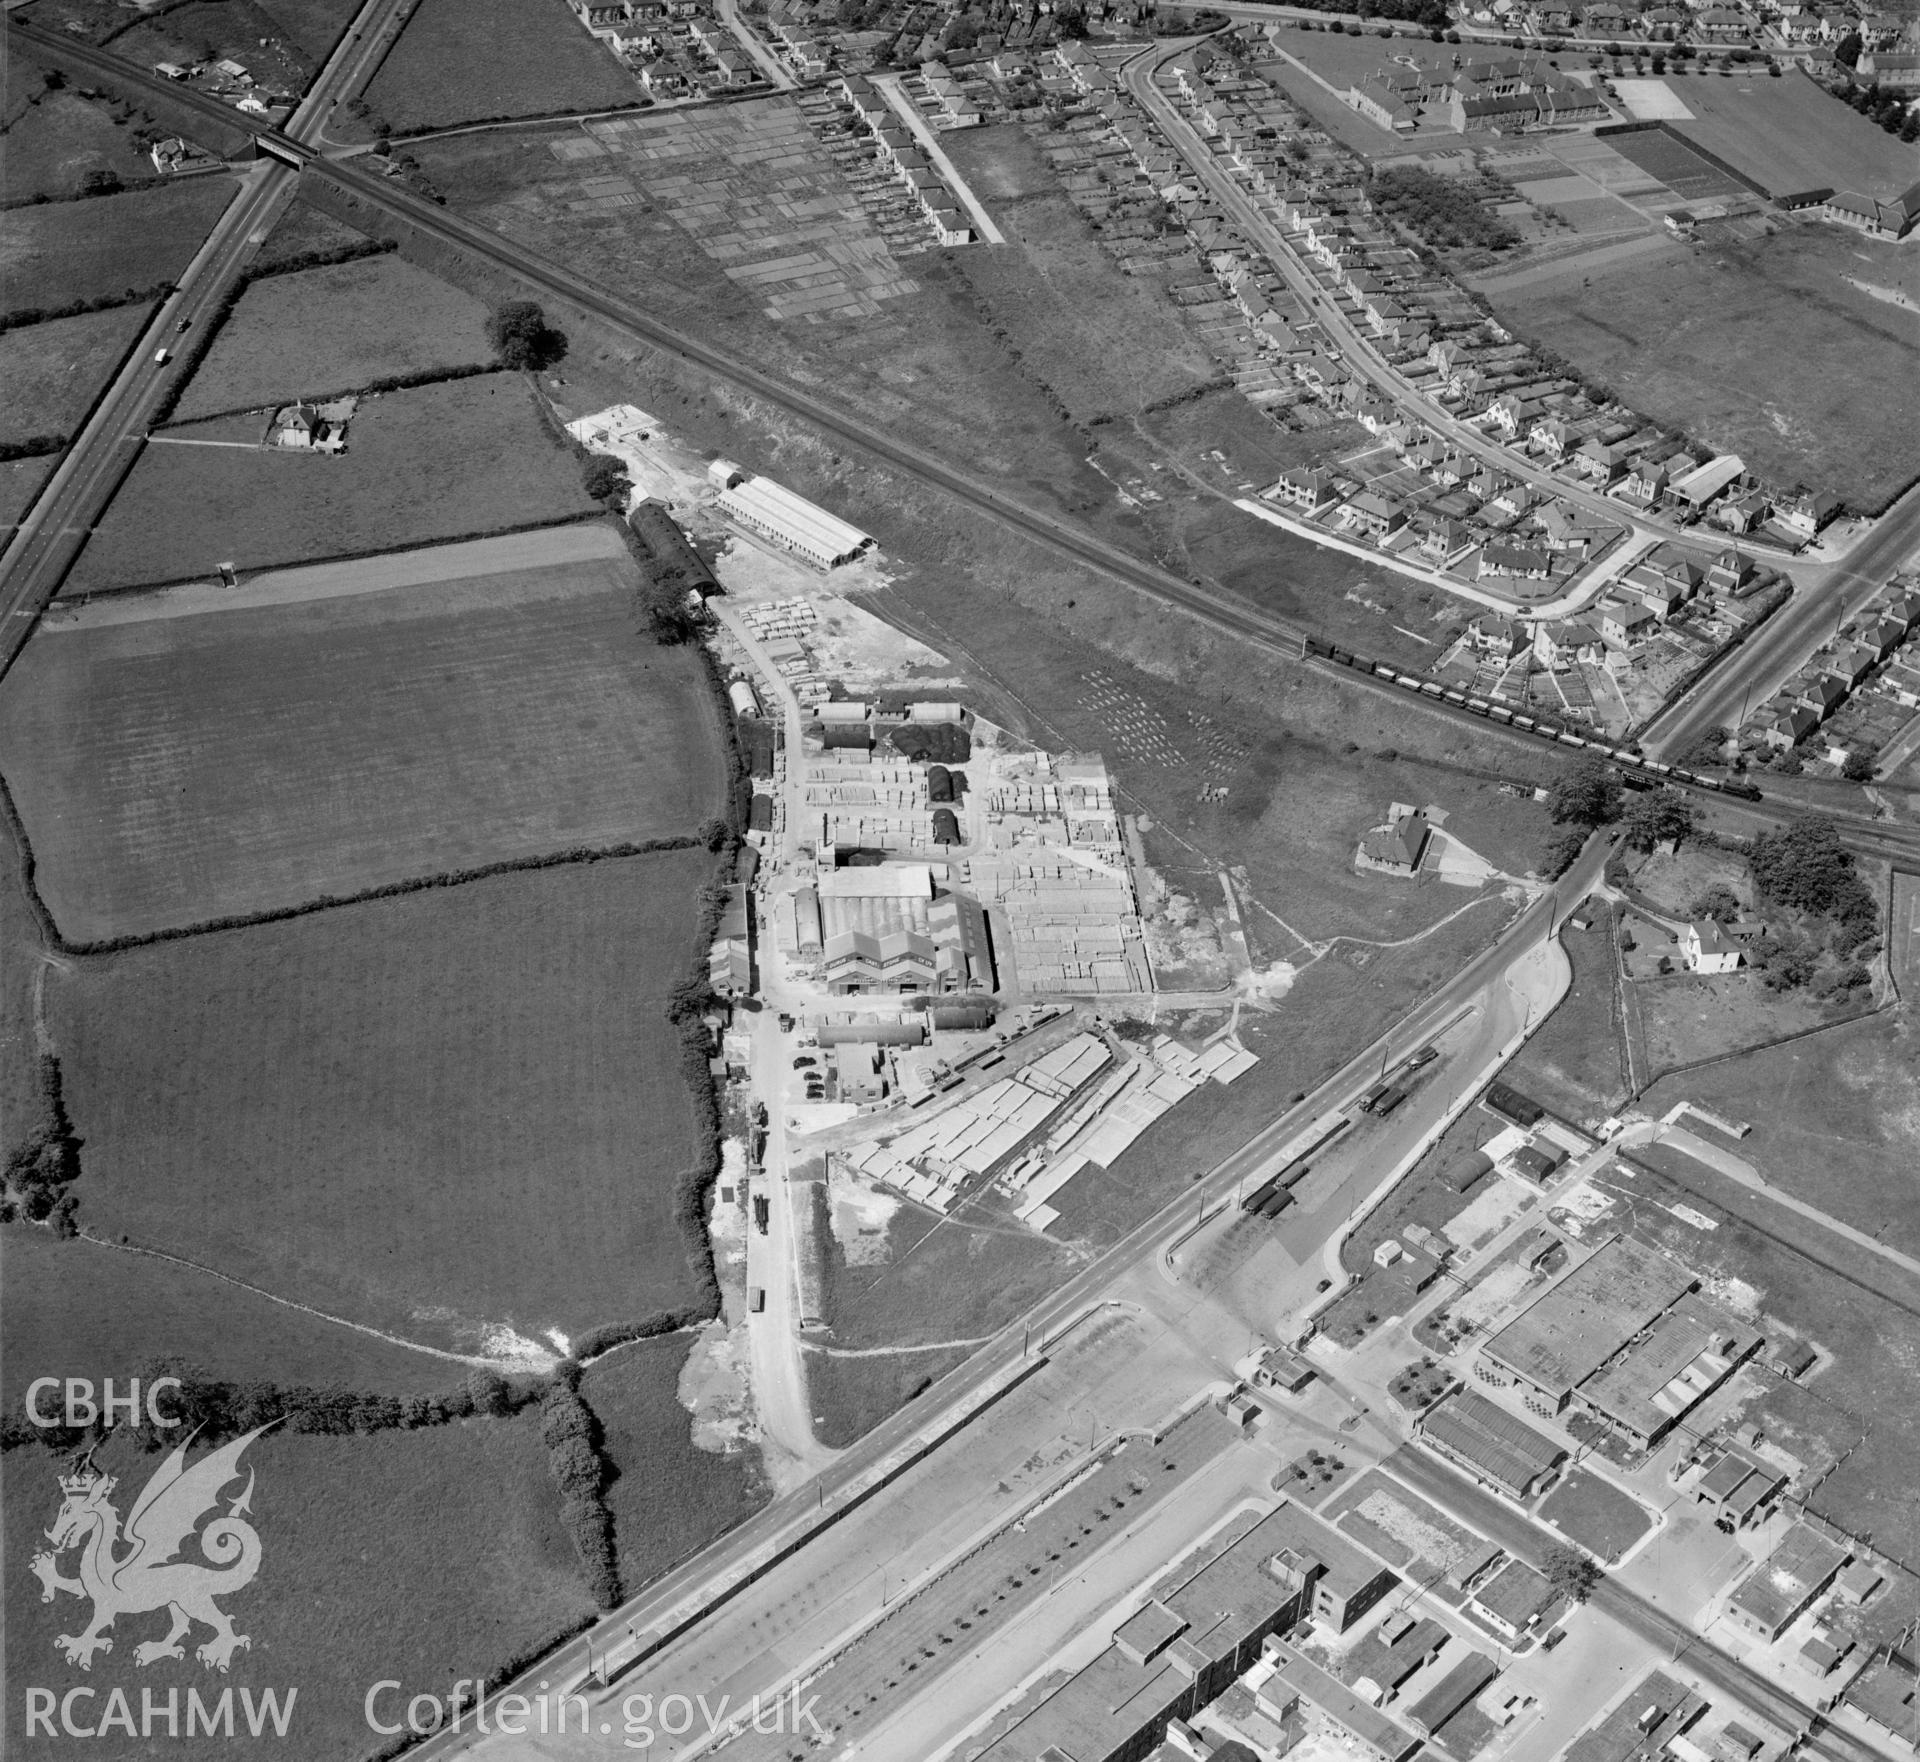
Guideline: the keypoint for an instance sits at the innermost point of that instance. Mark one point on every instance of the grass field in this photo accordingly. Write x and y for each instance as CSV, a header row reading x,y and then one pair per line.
x,y
1836,1122
437,462
1689,1017
314,26
458,61
942,1281
416,1556
20,481
1574,1063
321,331
1595,1514
853,1394
1737,345
52,142
68,251
668,1498
241,761
1790,135
54,371
21,949
85,1309
303,228
314,1107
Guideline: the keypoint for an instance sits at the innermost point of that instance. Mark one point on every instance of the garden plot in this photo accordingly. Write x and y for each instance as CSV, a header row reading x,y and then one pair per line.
x,y
749,185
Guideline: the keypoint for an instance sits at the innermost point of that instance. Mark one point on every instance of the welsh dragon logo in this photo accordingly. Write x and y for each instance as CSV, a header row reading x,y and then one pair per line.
x,y
148,1577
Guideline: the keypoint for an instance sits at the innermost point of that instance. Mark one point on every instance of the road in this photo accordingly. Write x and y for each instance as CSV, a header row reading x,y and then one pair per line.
x,y
1753,672
994,501
53,531
779,75
1356,350
629,1631
1520,1536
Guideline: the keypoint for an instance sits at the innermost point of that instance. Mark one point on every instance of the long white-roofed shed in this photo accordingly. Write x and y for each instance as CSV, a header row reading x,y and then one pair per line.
x,y
773,512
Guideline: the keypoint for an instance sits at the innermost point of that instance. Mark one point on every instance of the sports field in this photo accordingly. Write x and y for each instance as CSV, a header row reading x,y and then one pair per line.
x,y
441,1114
177,770
65,251
320,332
475,60
1789,135
53,371
437,462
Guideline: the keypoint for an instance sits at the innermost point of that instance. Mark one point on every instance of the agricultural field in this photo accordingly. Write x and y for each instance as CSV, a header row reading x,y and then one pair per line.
x,y
90,1309
432,463
304,228
54,138
319,332
61,252
53,371
312,26
231,762
422,1556
1790,135
669,1498
462,61
1736,344
311,1106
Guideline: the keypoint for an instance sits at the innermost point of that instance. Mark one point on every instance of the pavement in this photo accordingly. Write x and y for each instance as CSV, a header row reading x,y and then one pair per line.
x,y
888,86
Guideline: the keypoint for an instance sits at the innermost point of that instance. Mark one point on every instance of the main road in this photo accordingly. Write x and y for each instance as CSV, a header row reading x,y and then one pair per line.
x,y
54,529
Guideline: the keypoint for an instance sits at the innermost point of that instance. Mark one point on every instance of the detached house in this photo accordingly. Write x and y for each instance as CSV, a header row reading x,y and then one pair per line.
x,y
1807,515
1312,492
1626,622
1645,486
1706,948
1374,514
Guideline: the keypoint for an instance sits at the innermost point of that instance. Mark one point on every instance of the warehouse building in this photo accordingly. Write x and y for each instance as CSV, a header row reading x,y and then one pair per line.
x,y
1498,1450
1774,1595
770,511
887,929
1566,1335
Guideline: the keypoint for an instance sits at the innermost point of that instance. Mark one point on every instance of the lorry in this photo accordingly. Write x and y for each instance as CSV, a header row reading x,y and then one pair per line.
x,y
756,1299
760,1212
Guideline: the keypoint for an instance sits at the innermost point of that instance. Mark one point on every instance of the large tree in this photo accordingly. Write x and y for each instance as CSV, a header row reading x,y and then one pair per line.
x,y
521,336
1657,816
1588,795
1571,1573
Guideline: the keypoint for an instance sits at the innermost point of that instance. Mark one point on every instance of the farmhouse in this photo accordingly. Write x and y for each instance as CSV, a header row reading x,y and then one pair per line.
x,y
773,512
1705,948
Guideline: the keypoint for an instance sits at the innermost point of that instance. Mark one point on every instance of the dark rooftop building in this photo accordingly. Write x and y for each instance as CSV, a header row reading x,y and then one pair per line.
x,y
1324,1705
1467,1169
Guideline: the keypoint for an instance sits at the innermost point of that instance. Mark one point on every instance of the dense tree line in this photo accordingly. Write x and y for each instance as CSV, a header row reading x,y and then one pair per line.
x,y
580,1471
43,1166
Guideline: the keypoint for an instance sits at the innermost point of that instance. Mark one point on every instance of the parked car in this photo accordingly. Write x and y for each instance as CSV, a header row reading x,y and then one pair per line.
x,y
1425,1056
801,1063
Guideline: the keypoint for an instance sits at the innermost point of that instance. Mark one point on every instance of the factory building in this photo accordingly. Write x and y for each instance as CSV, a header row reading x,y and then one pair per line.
x,y
775,513
888,930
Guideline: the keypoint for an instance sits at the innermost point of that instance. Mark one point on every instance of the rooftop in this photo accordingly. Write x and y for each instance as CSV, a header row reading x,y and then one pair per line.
x,y
1566,1334
1774,1591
